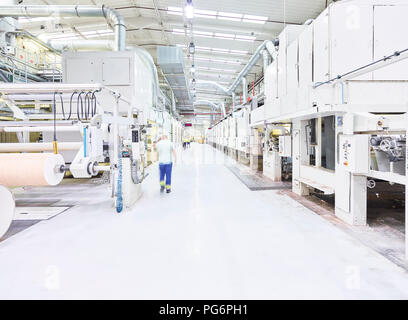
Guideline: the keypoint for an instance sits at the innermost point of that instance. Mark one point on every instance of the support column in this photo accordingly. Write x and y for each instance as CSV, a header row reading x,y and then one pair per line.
x,y
256,150
351,189
299,155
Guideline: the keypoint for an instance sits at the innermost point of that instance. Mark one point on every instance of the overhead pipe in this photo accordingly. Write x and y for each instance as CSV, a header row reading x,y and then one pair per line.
x,y
266,59
81,44
156,84
222,107
173,104
244,90
215,85
112,16
213,105
269,46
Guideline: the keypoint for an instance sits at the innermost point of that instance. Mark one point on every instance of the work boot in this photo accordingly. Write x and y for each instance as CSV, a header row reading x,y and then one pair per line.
x,y
161,189
168,190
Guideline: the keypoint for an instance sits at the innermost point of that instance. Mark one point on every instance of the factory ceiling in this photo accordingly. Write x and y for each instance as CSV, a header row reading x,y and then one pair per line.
x,y
225,33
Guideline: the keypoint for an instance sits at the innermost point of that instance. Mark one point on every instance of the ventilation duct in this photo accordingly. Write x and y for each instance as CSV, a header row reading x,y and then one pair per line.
x,y
171,61
112,17
78,45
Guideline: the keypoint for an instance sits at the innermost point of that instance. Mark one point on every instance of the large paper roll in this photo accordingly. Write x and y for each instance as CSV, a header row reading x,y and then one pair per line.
x,y
7,209
38,147
30,169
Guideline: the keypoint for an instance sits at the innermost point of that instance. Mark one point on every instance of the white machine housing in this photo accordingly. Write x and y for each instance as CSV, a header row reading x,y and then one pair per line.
x,y
124,72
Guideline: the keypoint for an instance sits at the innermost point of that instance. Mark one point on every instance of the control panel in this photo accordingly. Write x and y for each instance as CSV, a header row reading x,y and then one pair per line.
x,y
285,146
354,153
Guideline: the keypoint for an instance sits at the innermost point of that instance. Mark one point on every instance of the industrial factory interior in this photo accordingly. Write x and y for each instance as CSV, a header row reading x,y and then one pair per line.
x,y
203,150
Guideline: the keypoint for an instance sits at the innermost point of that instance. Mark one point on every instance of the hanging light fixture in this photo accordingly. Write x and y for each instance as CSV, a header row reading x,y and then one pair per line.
x,y
189,10
191,48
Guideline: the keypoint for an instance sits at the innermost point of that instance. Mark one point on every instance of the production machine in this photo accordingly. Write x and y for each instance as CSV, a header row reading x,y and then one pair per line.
x,y
96,122
339,83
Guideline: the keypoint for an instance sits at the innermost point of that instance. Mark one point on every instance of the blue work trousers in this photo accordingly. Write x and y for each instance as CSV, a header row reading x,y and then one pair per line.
x,y
165,174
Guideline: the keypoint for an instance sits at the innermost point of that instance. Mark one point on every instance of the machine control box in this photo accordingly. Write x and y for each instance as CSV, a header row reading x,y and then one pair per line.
x,y
354,153
285,146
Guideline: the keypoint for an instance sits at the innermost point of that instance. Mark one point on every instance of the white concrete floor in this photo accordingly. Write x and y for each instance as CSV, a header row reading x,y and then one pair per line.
x,y
211,238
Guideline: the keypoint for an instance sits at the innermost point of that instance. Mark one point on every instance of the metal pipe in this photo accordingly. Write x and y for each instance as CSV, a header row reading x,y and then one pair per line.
x,y
212,105
266,59
223,109
173,103
80,44
244,90
215,85
156,84
268,45
112,16
373,66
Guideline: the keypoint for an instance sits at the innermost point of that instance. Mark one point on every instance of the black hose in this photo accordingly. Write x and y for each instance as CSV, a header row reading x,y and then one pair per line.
x,y
87,104
62,104
94,104
70,104
82,106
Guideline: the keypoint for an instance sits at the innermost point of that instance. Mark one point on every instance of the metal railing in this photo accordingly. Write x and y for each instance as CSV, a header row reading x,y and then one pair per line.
x,y
22,66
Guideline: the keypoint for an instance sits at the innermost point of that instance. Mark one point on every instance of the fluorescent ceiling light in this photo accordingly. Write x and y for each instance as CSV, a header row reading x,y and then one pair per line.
x,y
229,16
178,31
218,60
203,34
224,35
226,61
252,17
203,48
177,11
39,19
217,69
210,14
217,35
239,52
245,38
254,21
189,11
217,50
220,50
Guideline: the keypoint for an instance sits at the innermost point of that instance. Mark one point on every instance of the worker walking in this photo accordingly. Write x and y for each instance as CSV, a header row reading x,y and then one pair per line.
x,y
166,153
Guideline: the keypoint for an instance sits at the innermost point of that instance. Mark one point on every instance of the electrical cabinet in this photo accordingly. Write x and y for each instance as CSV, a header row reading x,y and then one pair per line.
x,y
354,151
285,146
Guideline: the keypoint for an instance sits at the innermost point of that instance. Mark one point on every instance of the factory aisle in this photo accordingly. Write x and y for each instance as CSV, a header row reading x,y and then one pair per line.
x,y
211,238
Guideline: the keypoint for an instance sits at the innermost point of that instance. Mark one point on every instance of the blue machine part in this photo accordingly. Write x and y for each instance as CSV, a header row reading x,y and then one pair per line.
x,y
85,142
119,197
